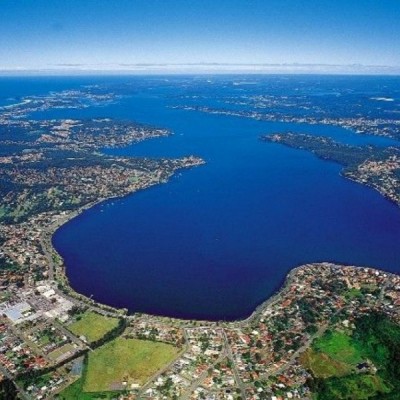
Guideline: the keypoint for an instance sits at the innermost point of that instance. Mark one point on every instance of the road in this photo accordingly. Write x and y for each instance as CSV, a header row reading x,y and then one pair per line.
x,y
197,382
234,368
72,337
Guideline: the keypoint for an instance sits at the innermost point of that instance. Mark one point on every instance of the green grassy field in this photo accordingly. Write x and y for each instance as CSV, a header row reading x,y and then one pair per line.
x,y
333,354
93,326
74,392
322,366
122,359
340,347
333,359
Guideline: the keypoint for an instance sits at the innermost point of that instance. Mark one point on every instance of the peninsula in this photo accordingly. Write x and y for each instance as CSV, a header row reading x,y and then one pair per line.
x,y
373,166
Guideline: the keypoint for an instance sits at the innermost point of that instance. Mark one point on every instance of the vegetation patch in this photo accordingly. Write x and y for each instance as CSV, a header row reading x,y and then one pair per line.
x,y
368,362
353,294
92,326
356,386
125,360
323,366
7,389
339,347
75,392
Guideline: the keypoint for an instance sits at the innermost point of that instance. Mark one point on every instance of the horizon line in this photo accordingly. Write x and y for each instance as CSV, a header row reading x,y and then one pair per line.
x,y
204,68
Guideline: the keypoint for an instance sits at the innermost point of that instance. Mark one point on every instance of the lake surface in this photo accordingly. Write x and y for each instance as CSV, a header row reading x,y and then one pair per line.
x,y
217,240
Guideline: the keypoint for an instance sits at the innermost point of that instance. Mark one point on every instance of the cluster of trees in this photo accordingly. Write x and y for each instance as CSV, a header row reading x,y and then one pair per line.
x,y
7,264
8,391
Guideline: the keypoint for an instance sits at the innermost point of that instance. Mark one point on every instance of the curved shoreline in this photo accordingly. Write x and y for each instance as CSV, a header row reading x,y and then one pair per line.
x,y
57,273
57,270
68,291
60,269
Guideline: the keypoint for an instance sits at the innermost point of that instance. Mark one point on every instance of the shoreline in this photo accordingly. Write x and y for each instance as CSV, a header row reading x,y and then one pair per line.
x,y
274,298
354,179
67,290
289,279
57,276
61,269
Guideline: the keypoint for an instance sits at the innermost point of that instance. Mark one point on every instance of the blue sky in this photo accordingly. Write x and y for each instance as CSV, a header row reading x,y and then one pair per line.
x,y
95,33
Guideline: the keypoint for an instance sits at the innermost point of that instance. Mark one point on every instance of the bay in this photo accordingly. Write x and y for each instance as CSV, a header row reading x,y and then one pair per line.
x,y
217,240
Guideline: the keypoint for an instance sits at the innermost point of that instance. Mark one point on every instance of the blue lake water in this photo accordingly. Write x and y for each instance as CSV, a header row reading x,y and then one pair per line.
x,y
217,240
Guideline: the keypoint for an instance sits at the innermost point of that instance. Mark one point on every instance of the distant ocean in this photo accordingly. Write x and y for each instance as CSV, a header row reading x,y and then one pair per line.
x,y
217,240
